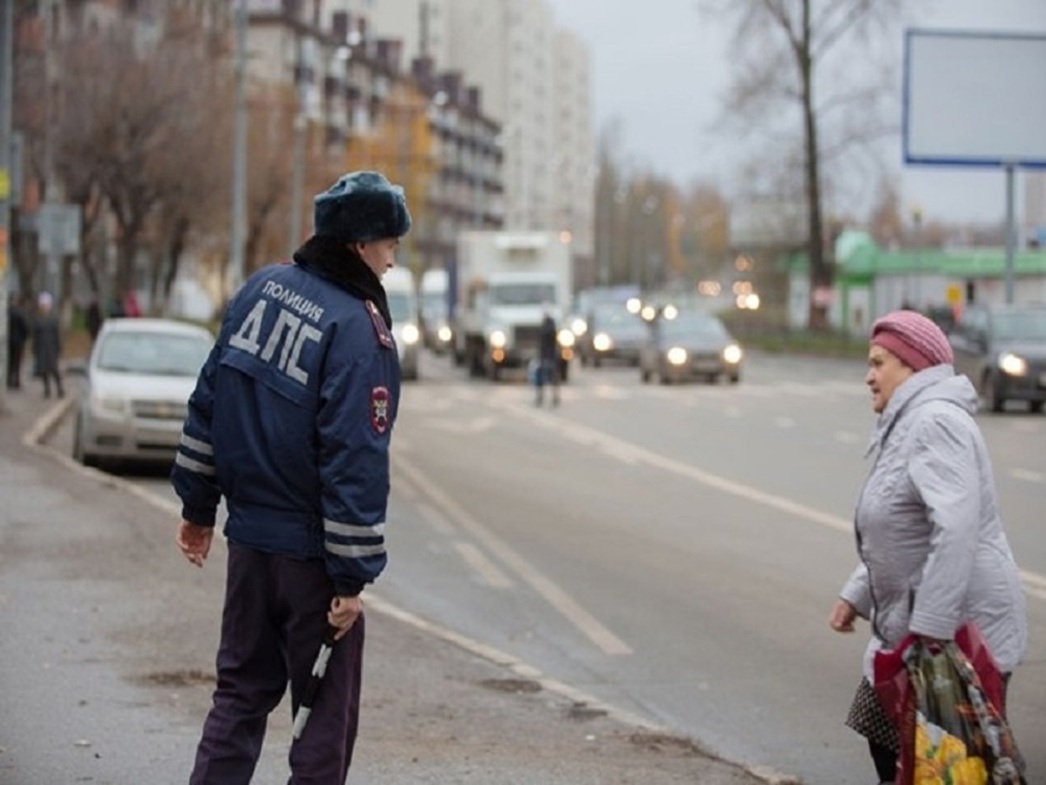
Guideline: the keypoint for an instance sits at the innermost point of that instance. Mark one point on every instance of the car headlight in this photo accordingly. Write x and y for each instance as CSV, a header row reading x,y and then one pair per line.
x,y
732,354
579,326
498,339
601,342
676,355
1013,364
108,405
566,338
410,334
444,333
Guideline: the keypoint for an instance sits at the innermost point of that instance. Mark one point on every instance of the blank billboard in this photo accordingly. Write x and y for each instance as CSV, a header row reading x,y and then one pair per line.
x,y
974,99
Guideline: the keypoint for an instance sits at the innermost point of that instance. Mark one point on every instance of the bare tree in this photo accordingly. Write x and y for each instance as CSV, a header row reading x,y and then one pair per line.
x,y
136,123
820,58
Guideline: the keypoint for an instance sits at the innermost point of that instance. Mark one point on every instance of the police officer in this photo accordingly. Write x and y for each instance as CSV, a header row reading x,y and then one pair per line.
x,y
290,421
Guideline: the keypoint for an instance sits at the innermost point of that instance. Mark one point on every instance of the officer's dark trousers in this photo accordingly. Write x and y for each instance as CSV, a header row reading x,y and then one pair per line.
x,y
272,627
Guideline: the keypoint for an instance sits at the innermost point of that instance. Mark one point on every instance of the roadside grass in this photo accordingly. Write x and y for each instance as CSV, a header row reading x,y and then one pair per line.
x,y
836,345
768,331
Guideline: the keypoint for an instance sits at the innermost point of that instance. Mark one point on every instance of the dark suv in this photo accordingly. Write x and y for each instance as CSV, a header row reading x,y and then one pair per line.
x,y
1002,348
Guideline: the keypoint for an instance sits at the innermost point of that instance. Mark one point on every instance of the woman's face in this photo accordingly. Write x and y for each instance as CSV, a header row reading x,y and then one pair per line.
x,y
885,374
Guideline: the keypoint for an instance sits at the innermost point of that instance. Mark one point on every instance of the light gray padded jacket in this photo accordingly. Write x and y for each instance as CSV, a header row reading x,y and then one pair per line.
x,y
933,551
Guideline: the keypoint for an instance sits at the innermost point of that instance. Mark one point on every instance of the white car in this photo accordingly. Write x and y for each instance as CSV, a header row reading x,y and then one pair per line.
x,y
136,389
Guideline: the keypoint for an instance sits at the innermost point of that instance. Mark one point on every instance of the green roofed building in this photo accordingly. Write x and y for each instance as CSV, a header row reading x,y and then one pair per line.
x,y
871,281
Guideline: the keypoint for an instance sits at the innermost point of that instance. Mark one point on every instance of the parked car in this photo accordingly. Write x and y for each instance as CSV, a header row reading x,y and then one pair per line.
x,y
1002,349
614,333
136,388
690,346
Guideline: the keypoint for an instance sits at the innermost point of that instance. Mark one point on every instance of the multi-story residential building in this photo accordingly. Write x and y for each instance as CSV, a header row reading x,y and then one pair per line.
x,y
422,127
535,80
421,25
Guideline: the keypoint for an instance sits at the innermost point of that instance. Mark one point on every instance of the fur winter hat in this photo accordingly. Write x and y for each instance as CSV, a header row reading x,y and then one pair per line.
x,y
361,207
917,341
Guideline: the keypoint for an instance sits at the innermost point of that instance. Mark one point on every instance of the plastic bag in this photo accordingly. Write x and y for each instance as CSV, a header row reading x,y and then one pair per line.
x,y
947,703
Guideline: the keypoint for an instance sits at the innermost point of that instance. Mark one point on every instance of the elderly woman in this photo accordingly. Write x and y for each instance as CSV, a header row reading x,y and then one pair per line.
x,y
931,543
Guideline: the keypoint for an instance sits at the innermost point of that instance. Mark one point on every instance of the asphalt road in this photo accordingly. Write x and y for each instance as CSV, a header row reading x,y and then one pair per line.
x,y
675,550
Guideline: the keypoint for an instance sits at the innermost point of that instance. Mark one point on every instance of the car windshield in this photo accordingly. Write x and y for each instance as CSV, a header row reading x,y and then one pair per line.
x,y
615,317
434,305
162,354
1021,325
693,327
522,294
399,307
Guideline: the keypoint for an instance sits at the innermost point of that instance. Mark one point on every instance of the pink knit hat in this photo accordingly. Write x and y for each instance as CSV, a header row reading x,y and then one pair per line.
x,y
916,340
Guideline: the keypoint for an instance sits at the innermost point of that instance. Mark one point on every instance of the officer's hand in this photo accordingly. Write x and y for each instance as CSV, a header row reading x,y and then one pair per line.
x,y
343,614
195,541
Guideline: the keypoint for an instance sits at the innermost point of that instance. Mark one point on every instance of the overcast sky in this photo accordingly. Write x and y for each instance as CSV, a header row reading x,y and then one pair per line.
x,y
662,69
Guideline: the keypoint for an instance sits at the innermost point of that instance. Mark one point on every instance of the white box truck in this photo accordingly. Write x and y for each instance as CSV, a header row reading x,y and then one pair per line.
x,y
503,283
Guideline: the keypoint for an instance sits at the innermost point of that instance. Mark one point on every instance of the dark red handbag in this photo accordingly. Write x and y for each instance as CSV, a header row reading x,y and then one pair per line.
x,y
947,702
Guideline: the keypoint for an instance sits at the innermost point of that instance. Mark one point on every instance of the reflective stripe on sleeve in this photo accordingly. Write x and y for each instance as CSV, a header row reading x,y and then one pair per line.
x,y
348,530
193,465
355,551
203,448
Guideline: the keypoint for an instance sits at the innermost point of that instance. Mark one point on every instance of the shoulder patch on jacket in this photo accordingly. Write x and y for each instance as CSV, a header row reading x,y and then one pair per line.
x,y
384,336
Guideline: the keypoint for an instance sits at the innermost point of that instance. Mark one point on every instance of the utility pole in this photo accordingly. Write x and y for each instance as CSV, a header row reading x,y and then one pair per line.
x,y
6,101
298,161
239,165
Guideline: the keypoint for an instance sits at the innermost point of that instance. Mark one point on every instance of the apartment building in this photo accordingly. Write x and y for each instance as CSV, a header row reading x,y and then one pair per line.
x,y
379,108
535,79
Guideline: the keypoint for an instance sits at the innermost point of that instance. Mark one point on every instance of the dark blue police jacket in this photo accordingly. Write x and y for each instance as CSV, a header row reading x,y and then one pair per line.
x,y
291,420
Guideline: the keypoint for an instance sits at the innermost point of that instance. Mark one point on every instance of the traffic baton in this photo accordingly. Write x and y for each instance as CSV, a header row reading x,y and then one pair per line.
x,y
318,669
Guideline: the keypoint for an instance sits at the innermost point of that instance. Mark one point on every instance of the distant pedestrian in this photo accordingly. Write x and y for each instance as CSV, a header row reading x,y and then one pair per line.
x,y
47,344
93,318
933,553
17,336
130,307
115,308
291,421
547,372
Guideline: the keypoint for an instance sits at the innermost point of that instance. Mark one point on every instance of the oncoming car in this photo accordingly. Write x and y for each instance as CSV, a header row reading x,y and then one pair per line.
x,y
136,389
690,346
403,308
614,333
1002,349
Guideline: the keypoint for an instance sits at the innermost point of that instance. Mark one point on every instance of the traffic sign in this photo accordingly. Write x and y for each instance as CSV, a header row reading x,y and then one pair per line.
x,y
58,229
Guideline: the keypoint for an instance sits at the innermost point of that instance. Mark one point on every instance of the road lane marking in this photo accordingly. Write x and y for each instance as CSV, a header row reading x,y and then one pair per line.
x,y
1034,583
562,602
1027,475
436,519
487,570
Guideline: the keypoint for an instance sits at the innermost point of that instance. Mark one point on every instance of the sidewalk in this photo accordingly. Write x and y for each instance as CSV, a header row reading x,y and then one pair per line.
x,y
106,659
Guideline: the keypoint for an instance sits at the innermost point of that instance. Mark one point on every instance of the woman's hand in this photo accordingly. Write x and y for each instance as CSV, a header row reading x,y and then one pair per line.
x,y
842,616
